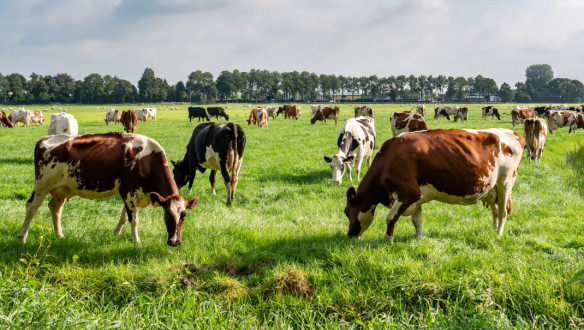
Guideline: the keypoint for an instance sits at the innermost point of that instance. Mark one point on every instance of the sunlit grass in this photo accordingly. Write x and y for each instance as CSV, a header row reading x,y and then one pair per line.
x,y
286,225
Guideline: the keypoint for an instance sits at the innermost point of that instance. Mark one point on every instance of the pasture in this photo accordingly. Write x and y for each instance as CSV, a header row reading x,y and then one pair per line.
x,y
279,256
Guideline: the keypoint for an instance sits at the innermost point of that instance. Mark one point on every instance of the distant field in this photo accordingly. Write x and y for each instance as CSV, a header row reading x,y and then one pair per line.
x,y
279,256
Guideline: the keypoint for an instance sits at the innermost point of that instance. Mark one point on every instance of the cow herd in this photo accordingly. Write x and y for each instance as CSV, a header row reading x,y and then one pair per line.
x,y
417,165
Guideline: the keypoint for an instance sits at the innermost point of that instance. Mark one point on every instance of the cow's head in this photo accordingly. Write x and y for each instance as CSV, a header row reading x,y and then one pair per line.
x,y
445,114
359,220
180,172
226,116
338,166
175,212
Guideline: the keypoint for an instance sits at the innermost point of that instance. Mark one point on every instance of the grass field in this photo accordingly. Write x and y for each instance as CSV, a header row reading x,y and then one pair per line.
x,y
279,256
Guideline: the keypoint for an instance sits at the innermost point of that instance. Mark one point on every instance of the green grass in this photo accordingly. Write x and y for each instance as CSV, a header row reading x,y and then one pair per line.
x,y
279,256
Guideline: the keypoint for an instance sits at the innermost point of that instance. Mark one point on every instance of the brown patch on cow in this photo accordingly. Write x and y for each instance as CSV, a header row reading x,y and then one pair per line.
x,y
291,111
293,282
400,120
252,116
5,120
129,120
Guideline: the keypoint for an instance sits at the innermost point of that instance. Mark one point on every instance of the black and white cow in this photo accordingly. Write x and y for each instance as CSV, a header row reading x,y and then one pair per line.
x,y
218,147
198,112
356,141
217,112
491,111
539,111
442,111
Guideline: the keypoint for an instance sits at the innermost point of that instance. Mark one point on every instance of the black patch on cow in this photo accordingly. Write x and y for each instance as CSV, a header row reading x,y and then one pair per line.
x,y
31,198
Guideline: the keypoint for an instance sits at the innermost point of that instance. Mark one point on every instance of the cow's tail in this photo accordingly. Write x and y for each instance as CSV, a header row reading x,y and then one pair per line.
x,y
235,153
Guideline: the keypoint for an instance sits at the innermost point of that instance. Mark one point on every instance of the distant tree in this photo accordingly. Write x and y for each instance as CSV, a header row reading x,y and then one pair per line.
x,y
92,88
4,88
506,93
521,93
539,76
400,84
121,90
181,92
18,88
202,87
147,85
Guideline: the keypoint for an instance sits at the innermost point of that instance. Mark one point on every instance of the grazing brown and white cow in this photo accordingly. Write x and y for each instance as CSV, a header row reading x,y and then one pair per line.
x,y
137,171
421,109
406,121
145,113
63,123
518,115
356,141
5,120
252,116
364,110
465,167
37,117
326,113
261,117
559,119
214,146
462,114
291,111
113,116
535,131
129,120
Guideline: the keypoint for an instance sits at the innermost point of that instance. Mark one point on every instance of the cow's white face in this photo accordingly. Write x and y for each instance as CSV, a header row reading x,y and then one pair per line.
x,y
175,212
338,166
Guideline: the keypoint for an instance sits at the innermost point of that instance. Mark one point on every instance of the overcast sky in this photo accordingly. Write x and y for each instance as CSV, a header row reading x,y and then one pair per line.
x,y
498,39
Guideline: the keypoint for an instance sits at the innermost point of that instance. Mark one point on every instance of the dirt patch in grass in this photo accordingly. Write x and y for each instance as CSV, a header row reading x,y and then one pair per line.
x,y
293,282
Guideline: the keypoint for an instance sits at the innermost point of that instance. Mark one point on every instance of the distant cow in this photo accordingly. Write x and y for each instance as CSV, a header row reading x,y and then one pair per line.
x,y
462,114
63,123
559,107
518,115
113,116
326,113
261,117
291,111
559,119
217,112
421,109
491,111
406,121
214,146
364,110
451,166
272,112
145,113
4,120
21,116
356,141
317,107
535,130
198,112
137,171
440,111
37,117
252,116
539,111
282,109
129,120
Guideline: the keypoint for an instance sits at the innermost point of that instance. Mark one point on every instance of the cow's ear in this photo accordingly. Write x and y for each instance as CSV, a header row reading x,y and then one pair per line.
x,y
173,163
328,159
190,204
348,159
157,199
351,194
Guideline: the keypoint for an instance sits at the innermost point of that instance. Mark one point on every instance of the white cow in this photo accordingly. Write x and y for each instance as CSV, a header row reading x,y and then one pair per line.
x,y
421,109
144,113
318,107
21,116
63,123
113,116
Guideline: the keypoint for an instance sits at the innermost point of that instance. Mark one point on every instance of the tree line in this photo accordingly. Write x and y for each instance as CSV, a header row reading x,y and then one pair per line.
x,y
273,86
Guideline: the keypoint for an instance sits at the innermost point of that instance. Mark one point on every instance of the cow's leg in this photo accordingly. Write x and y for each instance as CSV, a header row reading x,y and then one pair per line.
x,y
392,218
495,213
358,164
192,173
123,219
56,207
235,175
504,201
417,221
212,181
227,181
32,206
348,169
133,218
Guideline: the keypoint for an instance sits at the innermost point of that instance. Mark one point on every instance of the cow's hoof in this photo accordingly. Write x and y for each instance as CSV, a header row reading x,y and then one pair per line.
x,y
389,239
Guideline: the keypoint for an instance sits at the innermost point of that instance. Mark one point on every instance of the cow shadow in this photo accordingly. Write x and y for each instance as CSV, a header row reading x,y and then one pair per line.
x,y
317,176
17,161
